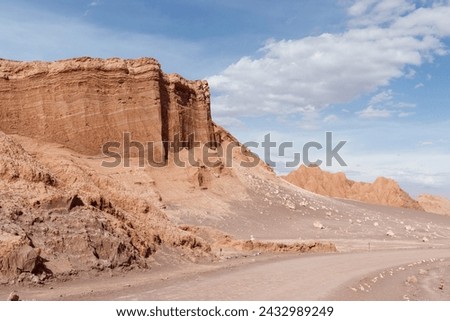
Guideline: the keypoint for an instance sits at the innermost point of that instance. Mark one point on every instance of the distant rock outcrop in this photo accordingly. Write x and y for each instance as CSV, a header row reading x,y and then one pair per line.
x,y
434,204
83,103
382,191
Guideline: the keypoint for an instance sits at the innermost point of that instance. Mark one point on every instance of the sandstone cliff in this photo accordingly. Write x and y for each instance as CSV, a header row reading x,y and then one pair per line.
x,y
434,204
83,103
61,207
382,191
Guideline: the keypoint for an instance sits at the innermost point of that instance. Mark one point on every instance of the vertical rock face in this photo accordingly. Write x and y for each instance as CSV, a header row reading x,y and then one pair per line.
x,y
83,103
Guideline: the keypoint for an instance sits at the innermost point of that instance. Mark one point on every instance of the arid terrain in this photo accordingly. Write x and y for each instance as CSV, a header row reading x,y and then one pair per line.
x,y
74,227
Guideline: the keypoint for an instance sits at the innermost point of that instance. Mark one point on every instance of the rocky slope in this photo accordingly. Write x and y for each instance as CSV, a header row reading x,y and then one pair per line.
x,y
63,219
382,191
434,204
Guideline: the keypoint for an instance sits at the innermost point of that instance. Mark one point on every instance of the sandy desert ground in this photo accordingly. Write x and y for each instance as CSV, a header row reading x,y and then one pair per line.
x,y
384,253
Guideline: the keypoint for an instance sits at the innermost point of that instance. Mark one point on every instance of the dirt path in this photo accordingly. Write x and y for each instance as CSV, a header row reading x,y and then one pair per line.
x,y
306,277
302,278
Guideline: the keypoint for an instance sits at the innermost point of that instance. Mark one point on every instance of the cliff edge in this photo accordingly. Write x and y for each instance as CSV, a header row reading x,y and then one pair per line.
x,y
84,103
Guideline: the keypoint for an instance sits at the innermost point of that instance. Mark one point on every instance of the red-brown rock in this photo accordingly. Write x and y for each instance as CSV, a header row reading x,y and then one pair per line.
x,y
382,191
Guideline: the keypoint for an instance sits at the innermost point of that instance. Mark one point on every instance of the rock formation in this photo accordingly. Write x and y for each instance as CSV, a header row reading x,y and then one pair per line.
x,y
61,211
64,218
382,191
83,103
434,204
60,214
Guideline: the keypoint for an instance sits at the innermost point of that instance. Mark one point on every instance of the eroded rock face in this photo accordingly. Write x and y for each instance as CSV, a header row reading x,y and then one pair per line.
x,y
17,255
382,191
15,163
83,103
63,217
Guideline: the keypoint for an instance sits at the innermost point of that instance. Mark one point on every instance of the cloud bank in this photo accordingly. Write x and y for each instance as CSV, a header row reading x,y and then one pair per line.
x,y
383,41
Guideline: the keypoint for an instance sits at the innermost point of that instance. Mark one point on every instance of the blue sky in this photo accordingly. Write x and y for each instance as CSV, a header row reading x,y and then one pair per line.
x,y
375,73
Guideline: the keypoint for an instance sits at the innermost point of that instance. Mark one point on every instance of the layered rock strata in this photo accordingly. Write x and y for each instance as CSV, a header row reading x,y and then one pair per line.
x,y
84,103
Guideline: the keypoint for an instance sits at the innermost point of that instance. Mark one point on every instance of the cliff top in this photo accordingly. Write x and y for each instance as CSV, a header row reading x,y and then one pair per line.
x,y
11,69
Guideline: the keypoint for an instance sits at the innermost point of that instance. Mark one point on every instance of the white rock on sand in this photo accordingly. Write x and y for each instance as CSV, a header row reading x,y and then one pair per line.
x,y
318,225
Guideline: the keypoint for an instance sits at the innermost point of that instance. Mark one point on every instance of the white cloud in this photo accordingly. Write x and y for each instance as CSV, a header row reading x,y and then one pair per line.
x,y
405,114
312,73
382,97
374,12
419,85
383,105
403,105
229,122
360,7
91,6
410,74
371,112
331,118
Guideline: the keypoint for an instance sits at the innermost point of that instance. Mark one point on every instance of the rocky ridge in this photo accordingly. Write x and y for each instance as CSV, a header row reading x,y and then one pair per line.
x,y
382,191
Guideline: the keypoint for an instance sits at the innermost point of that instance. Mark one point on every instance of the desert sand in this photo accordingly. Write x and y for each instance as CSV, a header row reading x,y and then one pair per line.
x,y
72,228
